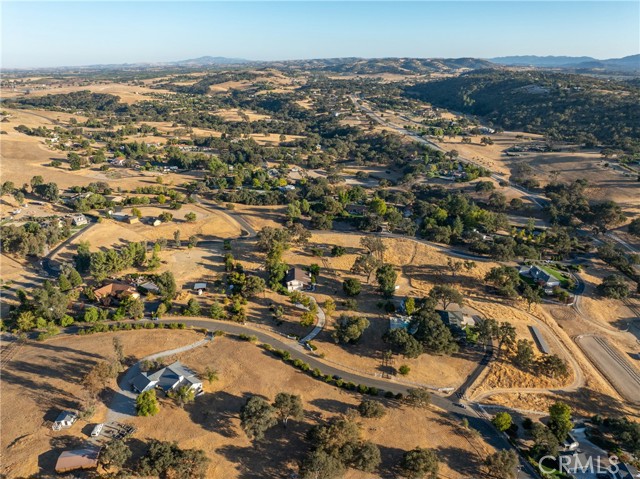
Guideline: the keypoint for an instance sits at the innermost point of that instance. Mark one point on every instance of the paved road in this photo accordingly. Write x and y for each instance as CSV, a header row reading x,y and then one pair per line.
x,y
622,375
481,424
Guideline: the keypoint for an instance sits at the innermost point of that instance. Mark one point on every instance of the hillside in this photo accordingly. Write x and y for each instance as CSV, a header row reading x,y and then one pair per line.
x,y
399,66
561,106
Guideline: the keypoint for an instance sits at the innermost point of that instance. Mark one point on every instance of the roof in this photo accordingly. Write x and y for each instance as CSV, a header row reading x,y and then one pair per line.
x,y
452,318
78,459
113,289
169,377
540,341
66,416
540,274
141,382
200,286
298,274
628,472
150,286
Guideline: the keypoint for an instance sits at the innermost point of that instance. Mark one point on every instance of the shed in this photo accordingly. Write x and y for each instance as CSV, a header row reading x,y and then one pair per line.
x,y
65,419
539,340
200,287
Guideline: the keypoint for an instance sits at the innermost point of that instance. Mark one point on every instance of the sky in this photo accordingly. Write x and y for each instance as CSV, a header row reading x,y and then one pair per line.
x,y
51,33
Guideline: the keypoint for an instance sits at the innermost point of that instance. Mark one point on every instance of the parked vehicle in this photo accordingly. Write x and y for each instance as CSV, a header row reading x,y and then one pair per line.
x,y
97,430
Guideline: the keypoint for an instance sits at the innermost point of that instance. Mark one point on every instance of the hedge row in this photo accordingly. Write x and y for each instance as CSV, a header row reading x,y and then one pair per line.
x,y
328,378
110,328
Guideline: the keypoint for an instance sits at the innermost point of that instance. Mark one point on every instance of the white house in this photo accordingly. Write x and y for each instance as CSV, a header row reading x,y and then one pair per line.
x,y
79,219
297,279
64,420
543,278
172,377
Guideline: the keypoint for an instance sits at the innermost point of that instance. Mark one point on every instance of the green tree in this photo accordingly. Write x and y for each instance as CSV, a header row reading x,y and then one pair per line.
x,y
386,277
506,336
192,308
167,285
307,319
329,307
446,295
366,264
560,420
115,454
182,395
161,310
63,283
365,457
176,238
211,374
614,286
532,295
402,342
502,464
410,305
288,406
349,329
320,465
74,277
134,308
370,408
434,335
190,217
420,463
216,311
504,279
419,398
544,441
487,330
256,417
502,421
26,321
351,287
524,354
147,403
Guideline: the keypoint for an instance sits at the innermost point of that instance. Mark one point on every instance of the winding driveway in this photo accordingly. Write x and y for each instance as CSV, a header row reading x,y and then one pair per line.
x,y
123,404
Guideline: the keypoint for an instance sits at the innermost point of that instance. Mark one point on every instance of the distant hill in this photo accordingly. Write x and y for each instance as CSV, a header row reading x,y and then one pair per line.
x,y
400,66
209,60
629,63
561,105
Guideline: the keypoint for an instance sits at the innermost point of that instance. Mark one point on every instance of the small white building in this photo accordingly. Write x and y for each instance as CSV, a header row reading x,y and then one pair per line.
x,y
200,288
297,279
64,420
79,220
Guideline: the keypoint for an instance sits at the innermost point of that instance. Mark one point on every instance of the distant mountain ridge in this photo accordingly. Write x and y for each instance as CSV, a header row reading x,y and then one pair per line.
x,y
209,60
631,62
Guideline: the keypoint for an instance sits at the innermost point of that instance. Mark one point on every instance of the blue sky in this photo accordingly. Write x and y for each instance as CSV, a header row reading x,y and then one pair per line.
x,y
44,34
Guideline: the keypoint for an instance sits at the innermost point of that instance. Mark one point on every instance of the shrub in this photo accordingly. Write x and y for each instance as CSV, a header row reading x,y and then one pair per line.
x,y
404,369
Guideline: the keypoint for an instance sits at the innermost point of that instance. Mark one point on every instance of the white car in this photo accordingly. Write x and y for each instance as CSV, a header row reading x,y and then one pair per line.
x,y
97,430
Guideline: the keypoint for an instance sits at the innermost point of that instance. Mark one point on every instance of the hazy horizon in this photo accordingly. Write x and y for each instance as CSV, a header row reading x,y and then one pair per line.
x,y
68,34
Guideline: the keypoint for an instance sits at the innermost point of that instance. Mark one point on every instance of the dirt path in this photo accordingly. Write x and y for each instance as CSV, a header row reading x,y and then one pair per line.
x,y
619,372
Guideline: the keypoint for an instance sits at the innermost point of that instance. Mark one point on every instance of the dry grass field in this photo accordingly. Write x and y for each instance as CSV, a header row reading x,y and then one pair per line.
x,y
127,93
44,378
42,381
